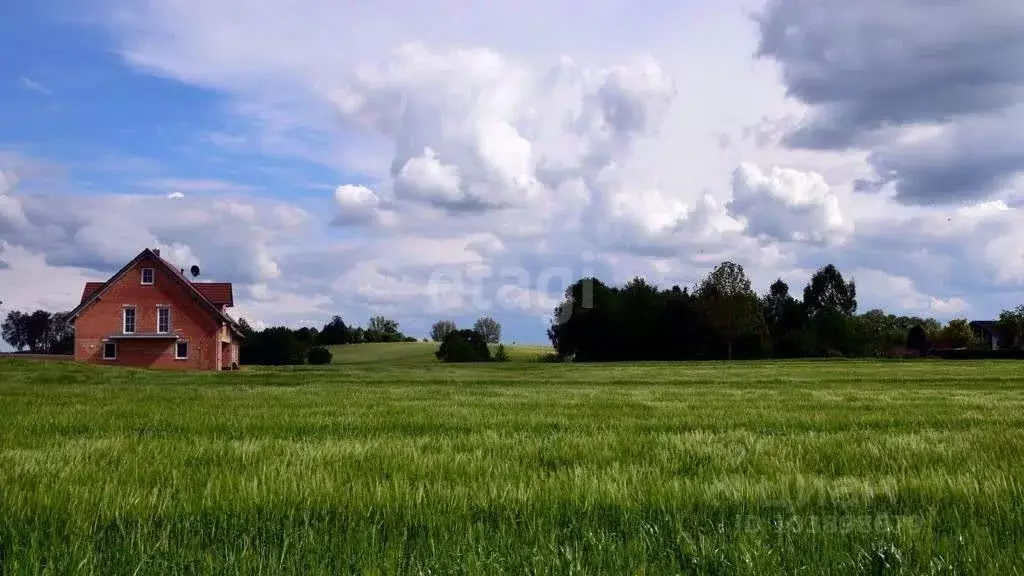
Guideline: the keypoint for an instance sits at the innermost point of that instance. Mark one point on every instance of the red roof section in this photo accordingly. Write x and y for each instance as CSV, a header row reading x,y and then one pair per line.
x,y
90,289
218,293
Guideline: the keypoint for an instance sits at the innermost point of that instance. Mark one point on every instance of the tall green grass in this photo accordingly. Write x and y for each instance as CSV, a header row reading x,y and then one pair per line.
x,y
744,468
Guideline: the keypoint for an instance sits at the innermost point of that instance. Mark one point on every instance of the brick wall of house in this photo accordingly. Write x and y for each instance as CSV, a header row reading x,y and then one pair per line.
x,y
188,320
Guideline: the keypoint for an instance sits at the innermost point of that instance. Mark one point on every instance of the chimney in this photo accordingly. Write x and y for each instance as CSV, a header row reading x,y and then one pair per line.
x,y
156,251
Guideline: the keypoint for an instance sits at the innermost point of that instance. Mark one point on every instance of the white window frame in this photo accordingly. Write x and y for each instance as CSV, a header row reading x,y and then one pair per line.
x,y
161,308
124,320
152,276
176,349
104,351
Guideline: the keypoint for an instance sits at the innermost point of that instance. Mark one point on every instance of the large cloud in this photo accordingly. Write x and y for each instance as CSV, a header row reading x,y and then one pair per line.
x,y
474,131
871,70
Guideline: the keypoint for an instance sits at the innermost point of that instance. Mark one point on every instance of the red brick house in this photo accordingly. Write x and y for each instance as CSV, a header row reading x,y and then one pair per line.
x,y
150,315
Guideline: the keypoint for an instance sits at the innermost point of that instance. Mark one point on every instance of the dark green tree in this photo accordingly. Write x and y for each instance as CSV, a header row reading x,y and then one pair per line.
x,y
828,290
726,299
60,334
786,320
334,332
14,329
830,302
1011,327
957,334
463,346
917,340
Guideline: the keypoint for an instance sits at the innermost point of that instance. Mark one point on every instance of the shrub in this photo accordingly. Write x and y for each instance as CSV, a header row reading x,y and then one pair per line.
x,y
319,355
463,346
500,355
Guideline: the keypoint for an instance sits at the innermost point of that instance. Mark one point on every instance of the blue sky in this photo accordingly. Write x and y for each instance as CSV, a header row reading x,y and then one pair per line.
x,y
352,158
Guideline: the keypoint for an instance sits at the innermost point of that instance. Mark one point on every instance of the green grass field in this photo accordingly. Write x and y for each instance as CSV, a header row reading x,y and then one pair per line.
x,y
406,467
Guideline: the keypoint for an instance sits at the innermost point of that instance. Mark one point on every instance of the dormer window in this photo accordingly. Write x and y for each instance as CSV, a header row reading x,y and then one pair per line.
x,y
147,276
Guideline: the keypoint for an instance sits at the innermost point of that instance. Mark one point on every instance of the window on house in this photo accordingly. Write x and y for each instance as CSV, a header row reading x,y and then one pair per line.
x,y
110,350
147,275
163,320
181,350
129,320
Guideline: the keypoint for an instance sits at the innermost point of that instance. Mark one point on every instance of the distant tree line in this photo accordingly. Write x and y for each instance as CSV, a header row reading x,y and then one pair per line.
x,y
280,345
39,332
723,318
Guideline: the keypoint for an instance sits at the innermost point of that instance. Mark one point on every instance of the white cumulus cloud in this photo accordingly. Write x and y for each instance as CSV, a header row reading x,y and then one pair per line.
x,y
788,205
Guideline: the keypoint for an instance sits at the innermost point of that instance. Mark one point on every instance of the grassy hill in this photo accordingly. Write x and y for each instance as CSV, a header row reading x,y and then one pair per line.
x,y
403,353
389,353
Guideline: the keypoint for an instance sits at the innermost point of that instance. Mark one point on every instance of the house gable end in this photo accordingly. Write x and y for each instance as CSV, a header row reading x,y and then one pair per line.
x,y
127,290
150,259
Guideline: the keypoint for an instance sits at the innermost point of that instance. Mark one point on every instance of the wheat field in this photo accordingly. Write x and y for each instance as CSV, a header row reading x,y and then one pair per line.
x,y
817,467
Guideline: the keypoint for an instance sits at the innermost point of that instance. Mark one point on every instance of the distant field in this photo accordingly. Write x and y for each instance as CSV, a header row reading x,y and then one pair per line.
x,y
417,353
818,467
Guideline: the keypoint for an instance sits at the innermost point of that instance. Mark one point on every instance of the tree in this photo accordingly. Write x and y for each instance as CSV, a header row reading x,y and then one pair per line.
x,y
785,318
463,346
1011,327
827,290
918,340
14,330
440,329
488,328
381,329
730,305
775,302
334,332
278,346
245,328
583,325
957,334
308,336
41,332
60,335
879,333
37,325
501,355
830,302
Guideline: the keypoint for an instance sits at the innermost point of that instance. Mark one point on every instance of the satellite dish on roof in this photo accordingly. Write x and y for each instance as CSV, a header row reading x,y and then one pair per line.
x,y
194,270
